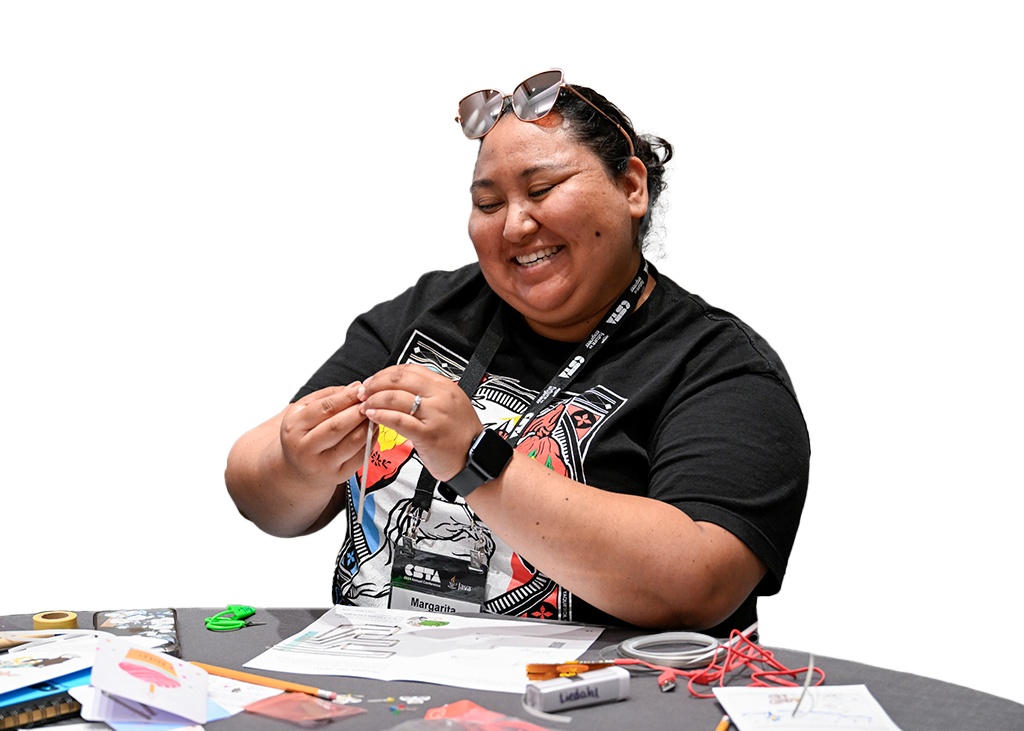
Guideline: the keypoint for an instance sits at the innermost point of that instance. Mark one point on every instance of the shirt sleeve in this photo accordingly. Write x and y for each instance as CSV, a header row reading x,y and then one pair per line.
x,y
737,454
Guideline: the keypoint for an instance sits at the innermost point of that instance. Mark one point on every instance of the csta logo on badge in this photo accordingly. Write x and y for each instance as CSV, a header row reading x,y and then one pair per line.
x,y
423,573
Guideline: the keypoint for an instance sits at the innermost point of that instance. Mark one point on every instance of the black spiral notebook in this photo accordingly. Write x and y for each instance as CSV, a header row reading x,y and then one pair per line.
x,y
43,702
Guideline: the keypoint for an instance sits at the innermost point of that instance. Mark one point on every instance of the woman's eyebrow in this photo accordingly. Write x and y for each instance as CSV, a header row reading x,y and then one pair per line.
x,y
488,183
482,183
542,168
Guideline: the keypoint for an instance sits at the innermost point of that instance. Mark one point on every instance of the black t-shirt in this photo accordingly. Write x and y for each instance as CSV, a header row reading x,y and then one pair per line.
x,y
685,404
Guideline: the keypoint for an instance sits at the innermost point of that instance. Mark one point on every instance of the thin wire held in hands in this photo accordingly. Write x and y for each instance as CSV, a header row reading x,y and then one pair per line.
x,y
366,469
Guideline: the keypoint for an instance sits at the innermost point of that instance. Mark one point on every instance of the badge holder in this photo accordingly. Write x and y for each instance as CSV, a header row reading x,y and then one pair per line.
x,y
422,581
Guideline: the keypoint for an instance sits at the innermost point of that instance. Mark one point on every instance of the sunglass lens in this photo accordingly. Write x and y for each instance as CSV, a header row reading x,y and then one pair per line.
x,y
535,97
479,111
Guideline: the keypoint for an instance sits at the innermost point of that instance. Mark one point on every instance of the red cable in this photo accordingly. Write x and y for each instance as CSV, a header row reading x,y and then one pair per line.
x,y
740,654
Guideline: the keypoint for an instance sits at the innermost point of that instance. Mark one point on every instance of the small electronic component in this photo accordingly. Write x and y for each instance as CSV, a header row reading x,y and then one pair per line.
x,y
666,682
547,671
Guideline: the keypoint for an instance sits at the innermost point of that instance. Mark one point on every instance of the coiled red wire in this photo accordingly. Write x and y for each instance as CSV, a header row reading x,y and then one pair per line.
x,y
740,655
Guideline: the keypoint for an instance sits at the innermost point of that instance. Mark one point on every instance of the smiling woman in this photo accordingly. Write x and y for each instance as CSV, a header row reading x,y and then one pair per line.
x,y
561,431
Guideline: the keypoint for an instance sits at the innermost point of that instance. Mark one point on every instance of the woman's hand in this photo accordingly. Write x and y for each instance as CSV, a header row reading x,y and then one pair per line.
x,y
288,474
441,427
323,435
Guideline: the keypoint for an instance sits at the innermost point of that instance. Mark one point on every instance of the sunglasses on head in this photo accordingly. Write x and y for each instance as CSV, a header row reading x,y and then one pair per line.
x,y
532,100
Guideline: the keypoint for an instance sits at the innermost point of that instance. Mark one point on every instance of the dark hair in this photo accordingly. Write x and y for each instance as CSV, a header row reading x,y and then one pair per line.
x,y
603,138
595,132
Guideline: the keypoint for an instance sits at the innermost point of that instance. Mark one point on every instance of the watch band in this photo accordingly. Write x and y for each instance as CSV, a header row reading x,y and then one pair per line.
x,y
487,458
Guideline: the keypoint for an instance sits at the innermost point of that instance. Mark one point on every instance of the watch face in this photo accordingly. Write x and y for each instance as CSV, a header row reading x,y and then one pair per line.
x,y
490,454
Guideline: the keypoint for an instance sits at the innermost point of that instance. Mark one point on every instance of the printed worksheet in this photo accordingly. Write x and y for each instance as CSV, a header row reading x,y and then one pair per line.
x,y
22,668
390,644
824,707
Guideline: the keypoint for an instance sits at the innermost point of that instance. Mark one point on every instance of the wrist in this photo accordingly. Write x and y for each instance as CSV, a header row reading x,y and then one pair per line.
x,y
488,456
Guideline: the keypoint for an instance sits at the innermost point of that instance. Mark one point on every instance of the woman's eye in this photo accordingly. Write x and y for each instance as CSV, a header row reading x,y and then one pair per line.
x,y
540,192
488,207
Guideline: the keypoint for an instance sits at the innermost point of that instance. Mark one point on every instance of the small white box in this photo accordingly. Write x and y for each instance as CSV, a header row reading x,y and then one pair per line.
x,y
586,689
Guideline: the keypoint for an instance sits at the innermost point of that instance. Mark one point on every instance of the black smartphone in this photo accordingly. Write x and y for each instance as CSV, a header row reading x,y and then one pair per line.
x,y
157,624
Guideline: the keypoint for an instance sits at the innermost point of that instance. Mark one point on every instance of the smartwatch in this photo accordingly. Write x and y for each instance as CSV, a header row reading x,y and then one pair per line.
x,y
488,457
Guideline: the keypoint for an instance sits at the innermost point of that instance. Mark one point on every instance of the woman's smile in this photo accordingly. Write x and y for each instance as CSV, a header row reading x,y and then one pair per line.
x,y
532,260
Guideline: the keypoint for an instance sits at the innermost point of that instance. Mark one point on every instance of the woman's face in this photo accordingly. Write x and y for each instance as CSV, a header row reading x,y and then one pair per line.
x,y
552,229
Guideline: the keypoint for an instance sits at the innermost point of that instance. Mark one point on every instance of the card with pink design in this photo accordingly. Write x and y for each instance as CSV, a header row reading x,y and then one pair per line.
x,y
153,679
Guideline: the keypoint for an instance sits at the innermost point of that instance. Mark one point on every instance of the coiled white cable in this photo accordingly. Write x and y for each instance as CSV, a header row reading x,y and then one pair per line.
x,y
707,648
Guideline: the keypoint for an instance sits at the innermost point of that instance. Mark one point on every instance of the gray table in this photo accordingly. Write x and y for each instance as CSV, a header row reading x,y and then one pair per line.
x,y
915,703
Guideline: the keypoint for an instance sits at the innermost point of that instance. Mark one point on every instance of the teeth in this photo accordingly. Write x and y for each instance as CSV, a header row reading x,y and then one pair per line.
x,y
528,259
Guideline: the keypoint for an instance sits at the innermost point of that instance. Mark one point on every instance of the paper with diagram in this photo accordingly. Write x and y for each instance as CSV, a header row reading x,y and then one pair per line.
x,y
20,668
390,644
824,707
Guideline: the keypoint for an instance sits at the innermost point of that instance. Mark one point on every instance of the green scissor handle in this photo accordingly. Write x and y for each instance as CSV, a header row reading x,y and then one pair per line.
x,y
231,618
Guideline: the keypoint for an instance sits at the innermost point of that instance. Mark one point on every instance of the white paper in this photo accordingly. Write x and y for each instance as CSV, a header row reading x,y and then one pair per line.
x,y
183,725
824,707
45,662
126,715
390,644
227,697
234,695
152,678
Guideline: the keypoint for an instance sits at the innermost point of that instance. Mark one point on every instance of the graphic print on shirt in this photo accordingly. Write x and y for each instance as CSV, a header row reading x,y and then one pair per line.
x,y
558,438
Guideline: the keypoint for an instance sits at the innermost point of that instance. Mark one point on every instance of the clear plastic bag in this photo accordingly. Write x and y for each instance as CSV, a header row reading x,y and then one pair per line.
x,y
466,716
301,709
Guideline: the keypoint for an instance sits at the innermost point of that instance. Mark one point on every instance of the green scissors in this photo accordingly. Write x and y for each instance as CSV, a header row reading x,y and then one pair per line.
x,y
231,619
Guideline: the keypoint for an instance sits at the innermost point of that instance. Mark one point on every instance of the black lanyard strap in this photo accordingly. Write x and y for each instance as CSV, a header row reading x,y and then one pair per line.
x,y
609,325
469,382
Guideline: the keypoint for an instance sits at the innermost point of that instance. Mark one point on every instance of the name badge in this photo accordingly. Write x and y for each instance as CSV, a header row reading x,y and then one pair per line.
x,y
427,582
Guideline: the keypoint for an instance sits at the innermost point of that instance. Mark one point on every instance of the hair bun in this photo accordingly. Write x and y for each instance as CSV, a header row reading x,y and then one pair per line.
x,y
598,134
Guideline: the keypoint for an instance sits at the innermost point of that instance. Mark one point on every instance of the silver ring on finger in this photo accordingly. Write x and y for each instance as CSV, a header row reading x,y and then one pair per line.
x,y
416,405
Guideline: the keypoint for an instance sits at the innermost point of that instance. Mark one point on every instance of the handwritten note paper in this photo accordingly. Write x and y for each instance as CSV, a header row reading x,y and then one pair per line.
x,y
824,707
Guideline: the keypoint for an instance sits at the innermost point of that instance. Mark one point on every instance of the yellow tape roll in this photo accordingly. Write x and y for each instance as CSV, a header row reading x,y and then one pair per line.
x,y
55,620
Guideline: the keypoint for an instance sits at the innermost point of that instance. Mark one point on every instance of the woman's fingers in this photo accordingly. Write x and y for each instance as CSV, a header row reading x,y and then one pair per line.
x,y
401,398
400,404
323,433
347,457
314,408
408,377
340,438
427,409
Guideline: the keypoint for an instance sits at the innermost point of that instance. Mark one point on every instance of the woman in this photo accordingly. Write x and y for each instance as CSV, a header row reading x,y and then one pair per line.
x,y
660,460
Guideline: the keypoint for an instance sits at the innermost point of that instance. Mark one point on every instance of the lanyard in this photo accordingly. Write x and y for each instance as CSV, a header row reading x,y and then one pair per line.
x,y
469,382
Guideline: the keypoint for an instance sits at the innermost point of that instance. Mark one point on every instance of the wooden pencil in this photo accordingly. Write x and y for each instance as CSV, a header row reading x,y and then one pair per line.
x,y
267,682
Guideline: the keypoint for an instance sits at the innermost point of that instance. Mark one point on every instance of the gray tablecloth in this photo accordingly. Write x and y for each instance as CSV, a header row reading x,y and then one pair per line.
x,y
915,703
